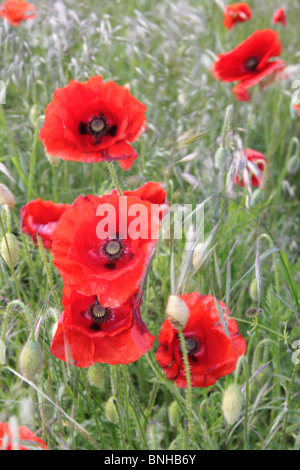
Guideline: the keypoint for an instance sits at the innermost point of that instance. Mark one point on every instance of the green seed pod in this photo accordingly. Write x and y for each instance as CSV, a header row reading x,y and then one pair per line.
x,y
221,156
96,376
111,410
6,197
232,403
293,164
30,359
177,312
174,415
10,247
253,291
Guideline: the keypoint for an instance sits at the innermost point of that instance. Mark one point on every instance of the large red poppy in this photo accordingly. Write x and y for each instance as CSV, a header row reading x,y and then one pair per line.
x,y
87,332
92,122
212,354
40,217
25,438
249,62
256,165
236,13
102,245
16,11
280,16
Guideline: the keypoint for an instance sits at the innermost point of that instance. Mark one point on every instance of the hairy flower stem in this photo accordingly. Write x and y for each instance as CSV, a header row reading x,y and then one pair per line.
x,y
188,426
114,177
48,271
33,157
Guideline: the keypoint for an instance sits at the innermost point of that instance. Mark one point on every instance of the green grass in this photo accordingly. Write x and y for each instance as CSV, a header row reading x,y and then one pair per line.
x,y
164,50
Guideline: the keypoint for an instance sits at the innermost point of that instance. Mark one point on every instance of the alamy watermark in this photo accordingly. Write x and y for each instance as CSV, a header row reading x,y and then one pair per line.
x,y
2,92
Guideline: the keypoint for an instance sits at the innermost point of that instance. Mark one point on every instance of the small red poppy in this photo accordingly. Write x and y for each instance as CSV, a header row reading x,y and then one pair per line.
x,y
212,354
236,13
297,107
40,217
280,16
87,332
102,245
249,62
256,164
92,122
25,439
16,11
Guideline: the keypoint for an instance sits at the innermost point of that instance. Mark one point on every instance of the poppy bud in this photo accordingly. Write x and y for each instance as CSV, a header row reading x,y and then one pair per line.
x,y
53,160
200,257
96,376
30,359
34,114
6,197
232,403
111,410
9,249
174,415
177,312
257,197
293,164
253,291
221,156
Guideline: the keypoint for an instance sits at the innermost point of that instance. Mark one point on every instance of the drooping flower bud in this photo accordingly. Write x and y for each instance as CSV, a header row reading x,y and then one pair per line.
x,y
221,157
30,360
177,312
6,197
232,403
258,196
111,410
253,291
174,415
96,376
293,164
9,249
200,257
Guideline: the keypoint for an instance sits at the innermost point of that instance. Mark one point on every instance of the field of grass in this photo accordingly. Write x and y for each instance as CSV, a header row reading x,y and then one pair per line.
x,y
164,51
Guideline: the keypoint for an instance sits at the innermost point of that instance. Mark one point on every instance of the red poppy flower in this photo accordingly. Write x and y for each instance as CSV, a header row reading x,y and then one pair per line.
x,y
256,164
297,107
92,122
212,354
280,16
16,11
102,245
26,439
249,62
40,217
236,13
87,332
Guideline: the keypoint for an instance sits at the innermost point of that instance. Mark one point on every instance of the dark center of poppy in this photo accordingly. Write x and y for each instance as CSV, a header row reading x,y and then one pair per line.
x,y
113,249
252,63
97,127
192,345
98,313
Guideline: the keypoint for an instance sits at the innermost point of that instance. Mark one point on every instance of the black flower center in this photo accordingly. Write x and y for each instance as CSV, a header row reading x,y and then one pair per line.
x,y
192,345
97,127
113,249
252,63
98,314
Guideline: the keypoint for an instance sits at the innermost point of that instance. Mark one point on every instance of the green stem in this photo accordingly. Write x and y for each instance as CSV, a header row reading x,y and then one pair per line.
x,y
188,427
114,177
48,271
33,157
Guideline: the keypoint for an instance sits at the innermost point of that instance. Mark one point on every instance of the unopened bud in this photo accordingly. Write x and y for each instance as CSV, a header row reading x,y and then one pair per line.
x,y
30,359
96,376
34,114
111,410
258,196
6,197
9,249
174,415
232,403
253,290
177,312
221,157
293,164
200,257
